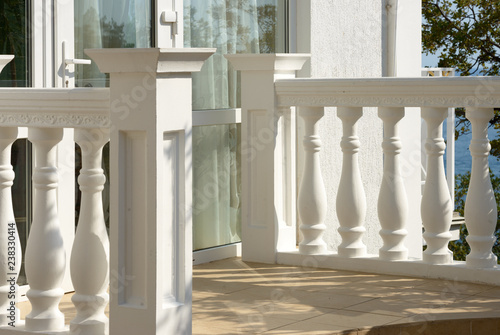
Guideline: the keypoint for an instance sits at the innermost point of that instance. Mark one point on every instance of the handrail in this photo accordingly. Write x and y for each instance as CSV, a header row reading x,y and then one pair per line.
x,y
390,92
51,107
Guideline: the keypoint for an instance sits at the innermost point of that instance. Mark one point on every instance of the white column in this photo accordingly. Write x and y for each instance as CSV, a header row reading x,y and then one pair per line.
x,y
10,253
392,202
312,195
267,201
351,199
90,253
151,187
480,205
436,208
45,256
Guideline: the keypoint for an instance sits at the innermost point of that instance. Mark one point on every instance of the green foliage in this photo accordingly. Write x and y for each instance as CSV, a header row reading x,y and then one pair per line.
x,y
461,248
465,32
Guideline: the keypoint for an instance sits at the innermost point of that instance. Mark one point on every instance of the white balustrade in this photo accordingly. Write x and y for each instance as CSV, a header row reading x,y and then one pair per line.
x,y
10,252
480,205
45,255
312,196
392,201
351,199
90,253
436,208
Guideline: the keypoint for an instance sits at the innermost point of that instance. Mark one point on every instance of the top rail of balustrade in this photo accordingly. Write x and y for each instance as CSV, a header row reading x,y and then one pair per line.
x,y
390,92
51,107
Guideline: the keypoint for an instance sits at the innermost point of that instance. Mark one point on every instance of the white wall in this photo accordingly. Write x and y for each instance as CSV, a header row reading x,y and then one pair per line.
x,y
348,39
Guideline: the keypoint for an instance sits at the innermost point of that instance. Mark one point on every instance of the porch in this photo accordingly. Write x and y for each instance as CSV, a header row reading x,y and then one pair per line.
x,y
236,297
147,118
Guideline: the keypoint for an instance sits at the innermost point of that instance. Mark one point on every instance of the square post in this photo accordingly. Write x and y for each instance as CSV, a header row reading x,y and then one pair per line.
x,y
267,156
151,187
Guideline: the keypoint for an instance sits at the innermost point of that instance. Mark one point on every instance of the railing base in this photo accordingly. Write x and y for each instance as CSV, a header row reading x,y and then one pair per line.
x,y
20,329
456,271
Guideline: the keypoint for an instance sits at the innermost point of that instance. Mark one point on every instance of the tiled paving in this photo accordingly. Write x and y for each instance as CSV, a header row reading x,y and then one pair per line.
x,y
235,297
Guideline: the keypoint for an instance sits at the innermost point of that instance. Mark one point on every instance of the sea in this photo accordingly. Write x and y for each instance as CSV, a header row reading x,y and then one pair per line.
x,y
463,160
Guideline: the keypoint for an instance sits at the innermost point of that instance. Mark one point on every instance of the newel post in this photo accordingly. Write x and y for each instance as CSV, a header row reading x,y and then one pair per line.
x,y
151,187
267,156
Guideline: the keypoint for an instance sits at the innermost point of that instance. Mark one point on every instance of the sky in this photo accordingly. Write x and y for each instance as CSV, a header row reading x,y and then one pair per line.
x,y
429,61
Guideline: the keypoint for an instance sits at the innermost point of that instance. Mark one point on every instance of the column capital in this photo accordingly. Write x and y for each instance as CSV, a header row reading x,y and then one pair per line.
x,y
146,60
4,60
278,63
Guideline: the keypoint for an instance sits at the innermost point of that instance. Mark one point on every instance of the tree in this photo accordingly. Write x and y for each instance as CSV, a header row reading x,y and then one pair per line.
x,y
465,32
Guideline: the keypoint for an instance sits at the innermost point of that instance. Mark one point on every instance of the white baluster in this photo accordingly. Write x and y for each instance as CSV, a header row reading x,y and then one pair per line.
x,y
392,202
45,255
10,253
312,195
351,199
90,253
480,205
436,208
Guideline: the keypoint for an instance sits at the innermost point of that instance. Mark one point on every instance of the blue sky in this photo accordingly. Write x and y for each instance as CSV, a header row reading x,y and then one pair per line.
x,y
429,61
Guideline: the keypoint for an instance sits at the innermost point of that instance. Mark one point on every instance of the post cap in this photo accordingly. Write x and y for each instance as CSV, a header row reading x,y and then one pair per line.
x,y
171,60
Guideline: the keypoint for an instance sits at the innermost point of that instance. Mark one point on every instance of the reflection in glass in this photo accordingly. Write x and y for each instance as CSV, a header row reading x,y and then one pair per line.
x,y
14,41
108,24
231,26
216,185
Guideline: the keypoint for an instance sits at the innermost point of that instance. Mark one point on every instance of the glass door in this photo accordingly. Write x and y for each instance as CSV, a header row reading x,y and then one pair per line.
x,y
14,40
231,26
109,24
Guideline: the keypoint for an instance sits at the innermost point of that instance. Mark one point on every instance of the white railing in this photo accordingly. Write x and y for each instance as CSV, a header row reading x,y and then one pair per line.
x,y
392,97
46,112
147,269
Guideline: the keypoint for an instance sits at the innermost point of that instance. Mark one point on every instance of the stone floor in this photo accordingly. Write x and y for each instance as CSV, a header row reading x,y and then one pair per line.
x,y
235,297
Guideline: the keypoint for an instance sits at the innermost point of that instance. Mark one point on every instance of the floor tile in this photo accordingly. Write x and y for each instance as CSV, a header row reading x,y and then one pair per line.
x,y
306,327
236,297
353,319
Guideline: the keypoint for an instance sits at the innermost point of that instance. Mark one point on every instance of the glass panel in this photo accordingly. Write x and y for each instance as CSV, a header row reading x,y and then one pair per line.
x,y
216,185
21,194
109,24
231,26
14,41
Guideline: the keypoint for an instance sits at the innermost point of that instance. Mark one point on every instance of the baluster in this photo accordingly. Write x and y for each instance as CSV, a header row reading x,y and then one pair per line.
x,y
436,209
392,201
480,205
90,253
312,195
45,255
10,253
351,199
